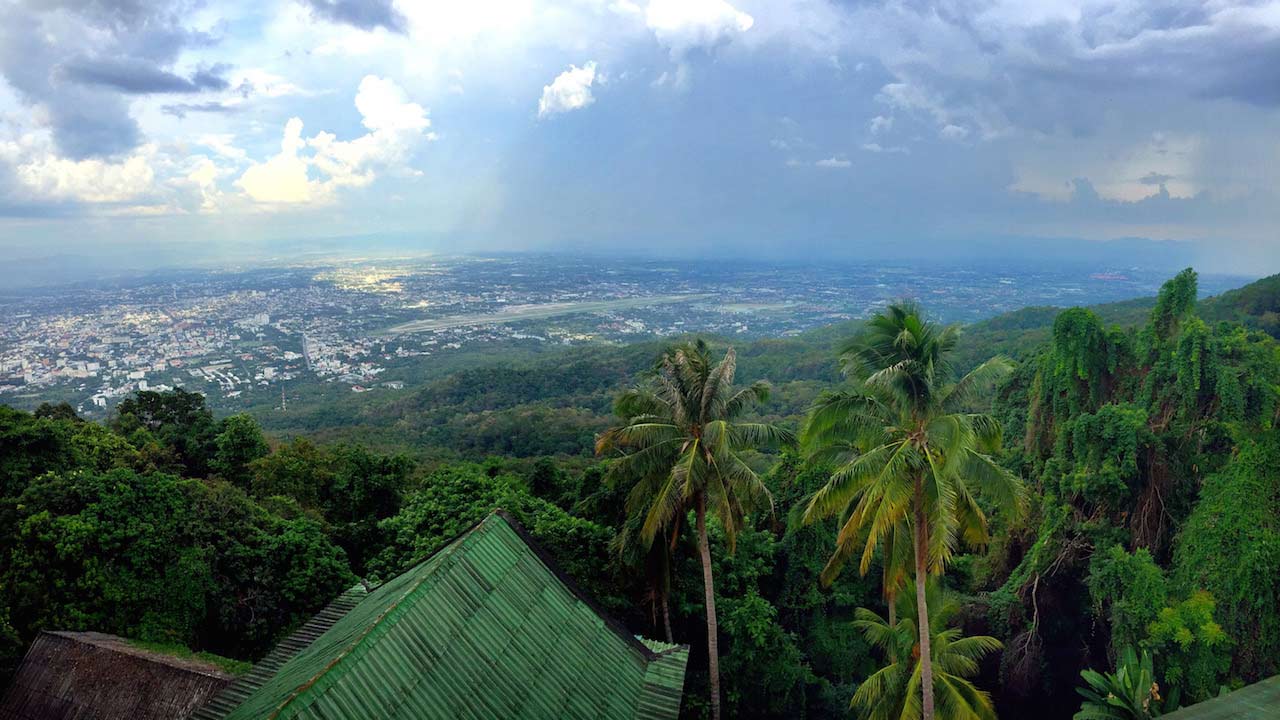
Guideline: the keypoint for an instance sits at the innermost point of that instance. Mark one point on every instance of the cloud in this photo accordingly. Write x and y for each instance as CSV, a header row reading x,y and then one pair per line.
x,y
137,77
1155,178
571,90
222,144
878,148
282,178
395,126
180,110
881,124
835,161
77,64
363,14
682,25
44,176
953,132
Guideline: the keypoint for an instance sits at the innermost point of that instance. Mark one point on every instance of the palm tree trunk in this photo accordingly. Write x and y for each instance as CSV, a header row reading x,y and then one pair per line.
x,y
666,616
922,575
708,587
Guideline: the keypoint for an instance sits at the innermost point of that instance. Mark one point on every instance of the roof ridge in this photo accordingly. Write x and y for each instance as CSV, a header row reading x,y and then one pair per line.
x,y
610,622
445,554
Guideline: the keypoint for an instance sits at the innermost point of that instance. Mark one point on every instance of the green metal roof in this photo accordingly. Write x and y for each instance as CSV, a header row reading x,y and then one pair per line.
x,y
1252,702
485,628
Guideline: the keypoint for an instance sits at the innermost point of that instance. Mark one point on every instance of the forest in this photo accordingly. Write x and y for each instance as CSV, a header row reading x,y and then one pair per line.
x,y
1073,504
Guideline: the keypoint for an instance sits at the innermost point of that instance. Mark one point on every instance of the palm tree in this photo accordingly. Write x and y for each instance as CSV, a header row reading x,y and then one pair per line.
x,y
681,442
910,457
893,692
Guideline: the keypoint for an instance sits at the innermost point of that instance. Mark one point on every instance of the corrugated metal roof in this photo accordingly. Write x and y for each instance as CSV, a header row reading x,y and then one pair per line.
x,y
1252,702
93,676
485,628
249,683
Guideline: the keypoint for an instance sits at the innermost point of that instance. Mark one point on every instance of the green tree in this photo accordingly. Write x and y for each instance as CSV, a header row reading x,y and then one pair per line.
x,y
239,442
1192,651
682,440
893,692
1129,589
178,420
910,454
298,469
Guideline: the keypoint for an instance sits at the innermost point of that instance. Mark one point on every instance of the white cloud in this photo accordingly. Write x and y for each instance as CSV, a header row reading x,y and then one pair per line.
x,y
834,162
384,106
571,90
221,143
953,132
205,178
395,125
681,25
878,148
283,178
44,175
881,123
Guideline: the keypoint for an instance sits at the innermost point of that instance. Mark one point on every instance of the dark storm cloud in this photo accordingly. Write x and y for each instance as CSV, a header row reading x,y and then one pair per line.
x,y
364,14
79,62
138,77
997,67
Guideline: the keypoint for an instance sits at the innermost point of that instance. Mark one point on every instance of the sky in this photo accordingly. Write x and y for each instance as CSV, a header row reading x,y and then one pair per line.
x,y
775,129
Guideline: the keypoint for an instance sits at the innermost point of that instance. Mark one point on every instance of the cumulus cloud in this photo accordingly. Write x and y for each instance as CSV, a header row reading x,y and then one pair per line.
x,y
395,126
571,90
683,26
45,176
283,177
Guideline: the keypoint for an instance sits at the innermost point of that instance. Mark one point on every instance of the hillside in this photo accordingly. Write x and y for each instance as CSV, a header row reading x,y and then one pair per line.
x,y
554,402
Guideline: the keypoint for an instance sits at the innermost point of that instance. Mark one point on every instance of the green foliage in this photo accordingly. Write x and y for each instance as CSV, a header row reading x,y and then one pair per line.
x,y
227,665
1084,361
180,424
1103,451
298,469
1230,547
163,559
238,444
1130,693
452,499
1193,654
894,691
1129,589
1174,306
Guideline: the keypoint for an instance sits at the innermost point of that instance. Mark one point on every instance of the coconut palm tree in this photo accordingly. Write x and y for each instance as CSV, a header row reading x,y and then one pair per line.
x,y
893,692
681,443
911,458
